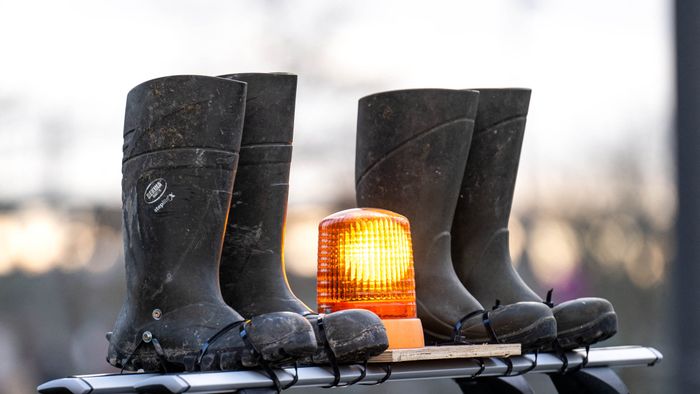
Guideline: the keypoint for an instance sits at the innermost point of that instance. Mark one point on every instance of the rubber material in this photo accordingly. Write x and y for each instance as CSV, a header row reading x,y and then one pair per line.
x,y
480,229
253,278
412,148
584,321
178,173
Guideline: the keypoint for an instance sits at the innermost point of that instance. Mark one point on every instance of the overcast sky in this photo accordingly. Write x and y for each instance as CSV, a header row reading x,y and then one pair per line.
x,y
601,74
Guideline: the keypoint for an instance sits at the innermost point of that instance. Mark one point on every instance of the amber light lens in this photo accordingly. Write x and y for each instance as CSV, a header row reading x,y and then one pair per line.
x,y
365,260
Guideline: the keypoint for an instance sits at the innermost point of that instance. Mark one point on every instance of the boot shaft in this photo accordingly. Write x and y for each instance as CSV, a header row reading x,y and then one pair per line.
x,y
182,135
411,151
259,205
184,111
411,147
255,230
270,103
486,193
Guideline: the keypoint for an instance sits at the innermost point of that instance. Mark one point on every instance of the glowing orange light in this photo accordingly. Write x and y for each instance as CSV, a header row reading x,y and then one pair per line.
x,y
365,260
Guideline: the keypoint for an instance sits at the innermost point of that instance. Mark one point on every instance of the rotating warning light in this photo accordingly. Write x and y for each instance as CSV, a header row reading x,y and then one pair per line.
x,y
365,260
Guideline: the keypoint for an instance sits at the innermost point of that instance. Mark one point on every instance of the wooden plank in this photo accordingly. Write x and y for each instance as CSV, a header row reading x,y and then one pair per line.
x,y
446,352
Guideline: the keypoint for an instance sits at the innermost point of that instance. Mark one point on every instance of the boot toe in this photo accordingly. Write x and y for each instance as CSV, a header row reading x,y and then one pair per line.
x,y
584,321
281,335
354,335
531,324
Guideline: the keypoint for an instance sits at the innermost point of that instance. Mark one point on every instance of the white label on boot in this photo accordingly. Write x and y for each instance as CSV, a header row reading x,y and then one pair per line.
x,y
155,190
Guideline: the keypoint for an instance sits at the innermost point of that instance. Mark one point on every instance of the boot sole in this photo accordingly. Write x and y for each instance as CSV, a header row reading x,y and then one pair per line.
x,y
297,342
600,329
534,336
365,350
531,337
215,359
368,342
224,359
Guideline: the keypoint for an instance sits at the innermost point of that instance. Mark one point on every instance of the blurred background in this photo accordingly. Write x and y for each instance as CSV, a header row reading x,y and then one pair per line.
x,y
595,200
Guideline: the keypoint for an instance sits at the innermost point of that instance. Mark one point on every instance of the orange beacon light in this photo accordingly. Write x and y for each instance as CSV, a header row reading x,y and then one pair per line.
x,y
365,260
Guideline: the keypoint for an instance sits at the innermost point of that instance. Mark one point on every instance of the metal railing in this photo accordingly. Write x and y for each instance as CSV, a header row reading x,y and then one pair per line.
x,y
316,376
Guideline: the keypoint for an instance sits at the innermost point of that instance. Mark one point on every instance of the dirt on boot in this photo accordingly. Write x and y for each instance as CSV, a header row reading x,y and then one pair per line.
x,y
412,148
181,142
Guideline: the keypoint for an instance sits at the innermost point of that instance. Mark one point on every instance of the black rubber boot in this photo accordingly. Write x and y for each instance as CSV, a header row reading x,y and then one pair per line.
x,y
181,141
253,279
412,147
480,228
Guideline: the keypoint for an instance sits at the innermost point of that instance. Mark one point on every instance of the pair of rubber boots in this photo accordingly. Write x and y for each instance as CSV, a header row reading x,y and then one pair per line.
x,y
190,144
448,160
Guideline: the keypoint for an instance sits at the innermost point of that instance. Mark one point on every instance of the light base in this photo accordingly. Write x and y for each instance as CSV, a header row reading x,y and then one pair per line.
x,y
404,333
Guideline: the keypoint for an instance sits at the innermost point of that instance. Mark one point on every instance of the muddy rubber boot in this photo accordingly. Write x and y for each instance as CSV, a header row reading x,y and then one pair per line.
x,y
412,147
181,141
253,279
480,228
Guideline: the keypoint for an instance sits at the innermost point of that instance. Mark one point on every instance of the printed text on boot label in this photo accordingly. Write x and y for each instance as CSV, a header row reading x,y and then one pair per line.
x,y
166,200
155,190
